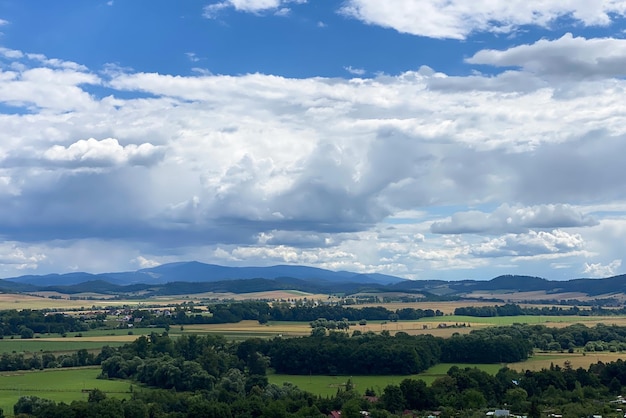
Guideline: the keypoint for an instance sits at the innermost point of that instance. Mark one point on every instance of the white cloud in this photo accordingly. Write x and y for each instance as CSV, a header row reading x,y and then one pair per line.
x,y
513,219
11,53
283,11
530,244
355,71
106,152
17,257
211,11
457,19
599,270
567,56
55,86
60,64
3,22
261,169
192,56
144,262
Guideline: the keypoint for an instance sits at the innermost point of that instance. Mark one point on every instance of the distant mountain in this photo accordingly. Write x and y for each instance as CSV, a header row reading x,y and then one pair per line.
x,y
195,277
194,271
515,283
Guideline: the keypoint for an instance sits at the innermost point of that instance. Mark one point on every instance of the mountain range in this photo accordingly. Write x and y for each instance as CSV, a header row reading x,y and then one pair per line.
x,y
195,277
193,271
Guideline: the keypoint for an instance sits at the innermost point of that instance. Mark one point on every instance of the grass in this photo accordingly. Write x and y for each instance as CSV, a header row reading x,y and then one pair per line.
x,y
328,385
60,385
37,345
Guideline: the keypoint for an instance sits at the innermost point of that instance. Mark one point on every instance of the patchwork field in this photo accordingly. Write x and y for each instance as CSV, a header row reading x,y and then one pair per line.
x,y
440,326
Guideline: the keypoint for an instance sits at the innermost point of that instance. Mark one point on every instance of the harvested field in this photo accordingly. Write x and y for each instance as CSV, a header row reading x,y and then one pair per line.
x,y
446,307
544,360
529,296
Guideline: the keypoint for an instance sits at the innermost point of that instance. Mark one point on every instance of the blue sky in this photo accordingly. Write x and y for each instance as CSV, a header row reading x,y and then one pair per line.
x,y
420,138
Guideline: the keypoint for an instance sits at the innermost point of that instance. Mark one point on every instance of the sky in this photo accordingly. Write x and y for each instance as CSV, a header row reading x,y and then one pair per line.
x,y
427,139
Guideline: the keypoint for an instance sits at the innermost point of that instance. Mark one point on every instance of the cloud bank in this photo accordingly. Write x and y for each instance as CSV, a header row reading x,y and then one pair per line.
x,y
419,174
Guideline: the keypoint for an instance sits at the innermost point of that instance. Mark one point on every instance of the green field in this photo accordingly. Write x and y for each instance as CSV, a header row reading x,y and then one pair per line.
x,y
115,332
60,385
40,345
328,385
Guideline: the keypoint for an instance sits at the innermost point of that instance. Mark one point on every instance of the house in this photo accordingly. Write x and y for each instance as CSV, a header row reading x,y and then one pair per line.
x,y
499,413
335,414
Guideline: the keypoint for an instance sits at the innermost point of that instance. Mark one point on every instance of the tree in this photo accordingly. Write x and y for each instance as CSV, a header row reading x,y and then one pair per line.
x,y
135,409
351,409
318,332
26,333
392,398
516,399
473,399
416,394
534,411
96,395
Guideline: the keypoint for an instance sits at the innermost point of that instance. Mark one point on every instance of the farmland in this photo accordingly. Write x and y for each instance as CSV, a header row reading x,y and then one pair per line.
x,y
60,385
328,385
69,385
72,381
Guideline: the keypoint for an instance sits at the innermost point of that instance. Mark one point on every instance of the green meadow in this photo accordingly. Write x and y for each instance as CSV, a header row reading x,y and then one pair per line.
x,y
33,346
60,385
328,385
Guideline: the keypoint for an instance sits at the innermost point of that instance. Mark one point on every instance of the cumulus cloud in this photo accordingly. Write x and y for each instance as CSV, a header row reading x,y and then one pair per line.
x,y
57,86
513,219
457,19
17,257
103,153
600,270
530,244
567,56
338,173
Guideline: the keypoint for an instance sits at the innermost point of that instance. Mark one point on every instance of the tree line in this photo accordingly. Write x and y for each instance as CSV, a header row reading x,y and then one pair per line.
x,y
511,309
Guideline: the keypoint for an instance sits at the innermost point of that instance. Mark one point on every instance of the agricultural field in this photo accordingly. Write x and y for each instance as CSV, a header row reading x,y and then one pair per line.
x,y
92,340
443,326
328,385
53,346
60,385
578,359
